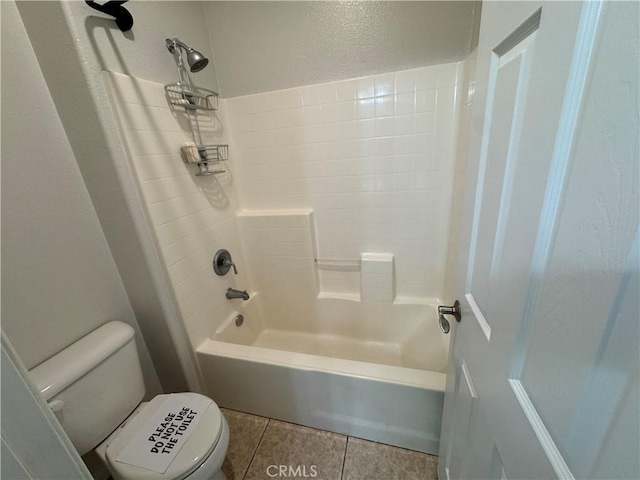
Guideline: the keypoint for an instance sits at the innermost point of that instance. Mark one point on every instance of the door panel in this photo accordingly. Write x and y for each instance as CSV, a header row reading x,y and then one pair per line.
x,y
508,77
550,276
584,261
465,399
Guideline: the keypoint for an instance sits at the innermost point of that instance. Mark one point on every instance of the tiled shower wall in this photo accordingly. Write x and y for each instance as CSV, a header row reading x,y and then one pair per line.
x,y
373,157
192,217
466,89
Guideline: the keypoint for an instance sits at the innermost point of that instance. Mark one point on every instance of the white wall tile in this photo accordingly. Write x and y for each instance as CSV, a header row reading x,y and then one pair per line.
x,y
346,90
365,88
405,103
311,96
328,93
366,108
347,111
384,84
403,124
405,81
426,100
384,126
384,105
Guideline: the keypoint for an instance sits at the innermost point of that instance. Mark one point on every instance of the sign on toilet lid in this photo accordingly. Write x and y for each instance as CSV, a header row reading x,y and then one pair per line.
x,y
159,439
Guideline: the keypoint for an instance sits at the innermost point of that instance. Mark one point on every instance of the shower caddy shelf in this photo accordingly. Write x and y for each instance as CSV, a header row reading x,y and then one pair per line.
x,y
208,154
211,153
191,97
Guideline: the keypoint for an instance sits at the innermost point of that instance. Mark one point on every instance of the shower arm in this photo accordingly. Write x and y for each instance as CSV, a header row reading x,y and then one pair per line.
x,y
182,72
174,46
174,42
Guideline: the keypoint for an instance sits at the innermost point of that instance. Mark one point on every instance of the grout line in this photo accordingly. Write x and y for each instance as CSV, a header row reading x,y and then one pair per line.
x,y
394,446
344,459
257,447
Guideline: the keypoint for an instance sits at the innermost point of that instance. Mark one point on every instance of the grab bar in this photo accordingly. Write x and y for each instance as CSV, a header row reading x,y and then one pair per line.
x,y
337,263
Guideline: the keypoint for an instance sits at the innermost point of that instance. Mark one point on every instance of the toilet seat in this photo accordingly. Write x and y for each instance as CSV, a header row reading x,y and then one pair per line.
x,y
195,451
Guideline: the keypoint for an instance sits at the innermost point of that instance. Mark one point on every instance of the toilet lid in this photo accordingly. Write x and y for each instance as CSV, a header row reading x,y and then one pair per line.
x,y
194,451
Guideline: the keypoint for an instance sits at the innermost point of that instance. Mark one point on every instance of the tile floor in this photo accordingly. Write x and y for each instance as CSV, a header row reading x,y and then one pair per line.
x,y
259,447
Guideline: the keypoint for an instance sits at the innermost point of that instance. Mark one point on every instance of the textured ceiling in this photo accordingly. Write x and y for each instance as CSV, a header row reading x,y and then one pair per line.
x,y
265,46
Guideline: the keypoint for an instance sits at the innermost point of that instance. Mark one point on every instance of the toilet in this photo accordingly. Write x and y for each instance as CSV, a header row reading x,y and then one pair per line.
x,y
95,387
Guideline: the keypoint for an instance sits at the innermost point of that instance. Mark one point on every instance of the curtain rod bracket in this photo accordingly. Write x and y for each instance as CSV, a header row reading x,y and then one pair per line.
x,y
123,18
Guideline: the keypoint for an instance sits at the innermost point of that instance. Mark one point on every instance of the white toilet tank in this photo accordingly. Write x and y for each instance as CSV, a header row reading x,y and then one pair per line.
x,y
94,384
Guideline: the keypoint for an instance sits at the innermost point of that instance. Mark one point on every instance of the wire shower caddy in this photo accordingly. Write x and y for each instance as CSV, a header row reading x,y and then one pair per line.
x,y
192,98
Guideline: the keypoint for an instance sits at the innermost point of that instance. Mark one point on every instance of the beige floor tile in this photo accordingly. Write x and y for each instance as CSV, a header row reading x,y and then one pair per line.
x,y
245,432
375,461
299,450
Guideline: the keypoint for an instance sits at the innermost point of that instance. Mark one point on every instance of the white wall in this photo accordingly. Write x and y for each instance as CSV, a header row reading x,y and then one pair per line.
x,y
266,46
141,52
59,279
373,157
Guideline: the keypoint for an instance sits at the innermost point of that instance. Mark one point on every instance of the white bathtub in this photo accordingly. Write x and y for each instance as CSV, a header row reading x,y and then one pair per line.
x,y
372,371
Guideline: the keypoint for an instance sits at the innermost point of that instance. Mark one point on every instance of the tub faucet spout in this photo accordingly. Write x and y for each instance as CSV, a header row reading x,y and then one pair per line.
x,y
233,293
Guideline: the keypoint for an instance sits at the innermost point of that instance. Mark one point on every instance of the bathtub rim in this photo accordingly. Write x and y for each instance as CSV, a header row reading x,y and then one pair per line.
x,y
376,371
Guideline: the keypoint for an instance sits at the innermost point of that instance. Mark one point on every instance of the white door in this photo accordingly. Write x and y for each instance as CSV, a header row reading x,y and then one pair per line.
x,y
33,443
543,377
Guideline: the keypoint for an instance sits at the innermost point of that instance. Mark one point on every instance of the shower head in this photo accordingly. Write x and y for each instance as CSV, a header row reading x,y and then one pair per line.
x,y
195,59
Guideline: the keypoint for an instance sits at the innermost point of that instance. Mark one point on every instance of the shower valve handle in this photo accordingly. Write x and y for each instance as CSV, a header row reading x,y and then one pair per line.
x,y
222,263
229,263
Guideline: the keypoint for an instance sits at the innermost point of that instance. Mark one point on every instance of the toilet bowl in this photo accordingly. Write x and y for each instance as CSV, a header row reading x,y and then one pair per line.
x,y
95,388
199,458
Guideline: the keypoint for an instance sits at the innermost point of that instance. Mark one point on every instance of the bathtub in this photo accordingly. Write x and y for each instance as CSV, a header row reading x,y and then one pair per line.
x,y
371,371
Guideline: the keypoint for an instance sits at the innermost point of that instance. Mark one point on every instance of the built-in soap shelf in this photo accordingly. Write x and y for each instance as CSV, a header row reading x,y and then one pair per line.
x,y
191,97
205,156
376,277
